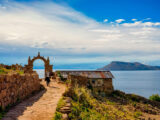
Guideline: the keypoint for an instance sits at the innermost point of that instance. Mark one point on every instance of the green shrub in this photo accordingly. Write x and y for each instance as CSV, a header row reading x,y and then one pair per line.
x,y
2,71
92,114
1,115
155,97
6,71
110,102
58,116
21,72
2,112
60,104
137,114
80,112
134,97
76,110
59,75
84,106
68,82
134,104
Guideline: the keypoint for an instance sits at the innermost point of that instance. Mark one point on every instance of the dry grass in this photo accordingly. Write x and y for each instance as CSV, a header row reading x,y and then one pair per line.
x,y
116,106
8,71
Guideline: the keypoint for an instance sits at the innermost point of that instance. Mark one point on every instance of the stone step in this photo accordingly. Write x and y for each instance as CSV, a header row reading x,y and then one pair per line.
x,y
65,108
68,101
65,111
68,105
65,117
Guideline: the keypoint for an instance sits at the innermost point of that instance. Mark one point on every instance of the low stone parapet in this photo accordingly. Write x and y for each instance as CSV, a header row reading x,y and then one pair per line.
x,y
16,87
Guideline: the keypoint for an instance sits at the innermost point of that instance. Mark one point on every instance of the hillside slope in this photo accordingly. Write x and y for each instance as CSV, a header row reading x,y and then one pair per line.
x,y
86,105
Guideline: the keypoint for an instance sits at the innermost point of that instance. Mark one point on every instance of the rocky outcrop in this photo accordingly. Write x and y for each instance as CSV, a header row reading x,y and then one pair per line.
x,y
16,87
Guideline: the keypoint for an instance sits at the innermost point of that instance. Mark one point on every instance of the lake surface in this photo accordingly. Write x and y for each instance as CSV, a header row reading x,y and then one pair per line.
x,y
143,83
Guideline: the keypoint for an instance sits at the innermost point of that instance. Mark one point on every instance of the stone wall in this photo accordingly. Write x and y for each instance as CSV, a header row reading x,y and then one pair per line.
x,y
102,85
15,87
98,85
78,80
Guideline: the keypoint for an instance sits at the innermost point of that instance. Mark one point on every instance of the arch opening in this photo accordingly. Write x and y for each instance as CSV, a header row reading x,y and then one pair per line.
x,y
39,67
48,67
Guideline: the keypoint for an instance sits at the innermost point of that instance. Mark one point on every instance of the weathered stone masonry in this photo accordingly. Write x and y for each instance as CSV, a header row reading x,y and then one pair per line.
x,y
98,81
14,87
29,68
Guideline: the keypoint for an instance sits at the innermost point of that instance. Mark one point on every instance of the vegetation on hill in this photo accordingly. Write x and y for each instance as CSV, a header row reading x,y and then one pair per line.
x,y
3,111
1,114
117,106
155,97
5,69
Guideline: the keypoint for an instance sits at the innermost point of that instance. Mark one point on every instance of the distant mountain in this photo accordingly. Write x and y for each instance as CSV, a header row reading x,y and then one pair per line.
x,y
117,65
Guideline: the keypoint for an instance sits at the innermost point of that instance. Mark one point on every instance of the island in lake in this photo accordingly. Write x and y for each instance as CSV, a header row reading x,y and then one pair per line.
x,y
118,65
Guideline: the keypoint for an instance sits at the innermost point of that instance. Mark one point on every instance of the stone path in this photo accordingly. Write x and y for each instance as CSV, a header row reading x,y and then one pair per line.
x,y
41,106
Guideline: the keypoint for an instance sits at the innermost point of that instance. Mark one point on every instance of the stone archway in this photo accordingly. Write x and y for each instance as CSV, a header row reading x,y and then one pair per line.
x,y
29,67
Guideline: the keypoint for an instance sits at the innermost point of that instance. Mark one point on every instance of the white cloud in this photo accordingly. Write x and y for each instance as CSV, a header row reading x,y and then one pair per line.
x,y
134,19
141,24
157,24
62,30
52,24
146,19
105,20
120,20
132,24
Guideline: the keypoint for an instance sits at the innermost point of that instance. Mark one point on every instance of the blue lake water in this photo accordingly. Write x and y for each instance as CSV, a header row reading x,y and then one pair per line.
x,y
144,83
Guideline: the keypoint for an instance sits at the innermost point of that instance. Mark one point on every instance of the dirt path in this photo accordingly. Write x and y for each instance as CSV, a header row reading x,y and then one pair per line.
x,y
41,106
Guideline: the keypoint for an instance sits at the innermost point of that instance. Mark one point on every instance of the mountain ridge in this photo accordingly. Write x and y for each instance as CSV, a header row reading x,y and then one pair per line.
x,y
119,65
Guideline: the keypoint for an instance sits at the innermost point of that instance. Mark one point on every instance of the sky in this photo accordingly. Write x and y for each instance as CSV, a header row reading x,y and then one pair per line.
x,y
80,31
